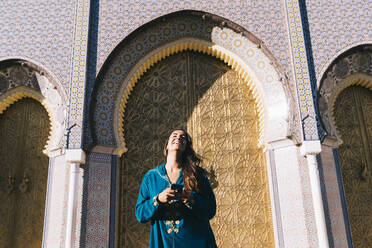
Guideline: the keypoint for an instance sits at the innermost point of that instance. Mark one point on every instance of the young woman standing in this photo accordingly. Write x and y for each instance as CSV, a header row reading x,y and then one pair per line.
x,y
177,198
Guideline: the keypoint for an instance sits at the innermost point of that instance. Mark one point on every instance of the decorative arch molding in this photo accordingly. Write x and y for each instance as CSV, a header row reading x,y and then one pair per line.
x,y
199,32
356,46
38,86
231,59
354,67
39,68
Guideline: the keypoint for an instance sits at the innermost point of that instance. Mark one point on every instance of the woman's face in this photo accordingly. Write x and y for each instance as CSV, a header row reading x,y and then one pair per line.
x,y
177,141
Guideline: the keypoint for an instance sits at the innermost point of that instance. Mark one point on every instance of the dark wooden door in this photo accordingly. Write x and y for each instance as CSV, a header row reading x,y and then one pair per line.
x,y
353,116
24,130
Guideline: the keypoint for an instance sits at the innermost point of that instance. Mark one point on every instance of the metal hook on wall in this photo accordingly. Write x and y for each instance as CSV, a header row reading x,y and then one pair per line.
x,y
68,131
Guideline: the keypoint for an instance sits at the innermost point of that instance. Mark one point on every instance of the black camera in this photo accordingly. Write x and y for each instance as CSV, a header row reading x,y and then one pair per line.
x,y
177,187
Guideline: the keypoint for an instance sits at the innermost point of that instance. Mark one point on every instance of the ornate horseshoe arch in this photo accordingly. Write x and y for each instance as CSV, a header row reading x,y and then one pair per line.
x,y
199,32
351,68
43,89
345,98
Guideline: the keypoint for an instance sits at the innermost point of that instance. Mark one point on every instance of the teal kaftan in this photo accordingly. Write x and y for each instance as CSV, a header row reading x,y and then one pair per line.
x,y
175,225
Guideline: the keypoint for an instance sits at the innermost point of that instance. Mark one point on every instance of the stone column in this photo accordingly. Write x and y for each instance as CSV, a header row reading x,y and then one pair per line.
x,y
291,196
56,196
310,149
74,157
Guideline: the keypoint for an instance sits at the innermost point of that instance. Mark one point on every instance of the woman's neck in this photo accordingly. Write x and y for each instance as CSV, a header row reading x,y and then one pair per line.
x,y
173,163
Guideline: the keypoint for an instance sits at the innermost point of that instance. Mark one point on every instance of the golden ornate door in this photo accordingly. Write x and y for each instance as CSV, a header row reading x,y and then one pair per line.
x,y
353,115
205,96
24,129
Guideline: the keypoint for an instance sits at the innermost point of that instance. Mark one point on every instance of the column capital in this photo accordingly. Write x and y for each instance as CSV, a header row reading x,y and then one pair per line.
x,y
118,151
282,143
331,142
75,156
312,147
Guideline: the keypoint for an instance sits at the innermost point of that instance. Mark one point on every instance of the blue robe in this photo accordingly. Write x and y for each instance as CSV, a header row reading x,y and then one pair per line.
x,y
175,224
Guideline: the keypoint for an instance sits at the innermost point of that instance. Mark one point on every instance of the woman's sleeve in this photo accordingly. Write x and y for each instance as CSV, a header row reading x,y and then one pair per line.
x,y
147,205
203,204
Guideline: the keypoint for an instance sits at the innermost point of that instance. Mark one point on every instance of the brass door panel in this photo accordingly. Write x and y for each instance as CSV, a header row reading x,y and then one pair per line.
x,y
24,129
353,115
203,95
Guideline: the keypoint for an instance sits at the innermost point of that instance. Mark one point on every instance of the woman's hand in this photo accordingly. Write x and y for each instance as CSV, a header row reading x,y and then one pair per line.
x,y
167,195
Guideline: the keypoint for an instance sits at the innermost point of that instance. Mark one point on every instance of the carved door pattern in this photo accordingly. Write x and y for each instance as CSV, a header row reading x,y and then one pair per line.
x,y
24,129
208,98
353,115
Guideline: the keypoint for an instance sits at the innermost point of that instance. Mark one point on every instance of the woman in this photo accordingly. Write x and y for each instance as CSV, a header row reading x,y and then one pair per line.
x,y
177,198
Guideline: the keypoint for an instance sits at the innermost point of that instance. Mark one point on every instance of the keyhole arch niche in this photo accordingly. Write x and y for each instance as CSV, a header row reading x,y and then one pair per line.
x,y
28,134
240,68
38,83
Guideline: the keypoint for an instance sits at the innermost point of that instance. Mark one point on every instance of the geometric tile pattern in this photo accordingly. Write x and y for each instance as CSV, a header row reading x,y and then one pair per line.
x,y
91,70
44,32
336,26
301,70
39,31
96,204
265,19
78,74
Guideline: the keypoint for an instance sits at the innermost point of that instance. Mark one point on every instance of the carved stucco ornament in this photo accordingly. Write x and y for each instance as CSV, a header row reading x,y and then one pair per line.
x,y
352,68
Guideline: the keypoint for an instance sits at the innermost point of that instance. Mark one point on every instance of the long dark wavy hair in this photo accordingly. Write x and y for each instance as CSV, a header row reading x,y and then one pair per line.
x,y
192,173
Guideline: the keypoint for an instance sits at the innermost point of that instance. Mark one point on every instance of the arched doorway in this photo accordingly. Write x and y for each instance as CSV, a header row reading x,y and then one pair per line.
x,y
24,130
209,99
353,115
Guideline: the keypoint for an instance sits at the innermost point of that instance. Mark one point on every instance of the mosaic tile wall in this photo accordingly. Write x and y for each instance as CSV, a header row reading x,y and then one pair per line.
x,y
96,198
335,27
265,19
78,75
300,57
41,31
